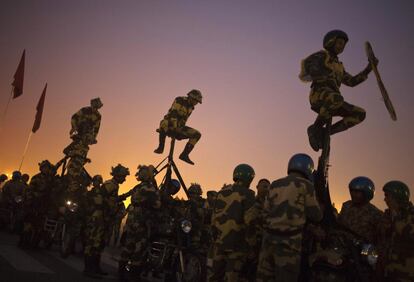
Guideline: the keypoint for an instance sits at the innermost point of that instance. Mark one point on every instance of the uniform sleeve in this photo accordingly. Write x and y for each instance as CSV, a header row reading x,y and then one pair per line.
x,y
96,125
314,65
352,81
312,208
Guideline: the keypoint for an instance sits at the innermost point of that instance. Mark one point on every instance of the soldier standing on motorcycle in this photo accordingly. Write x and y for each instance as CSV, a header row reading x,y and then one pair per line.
x,y
146,205
290,202
396,260
358,214
230,222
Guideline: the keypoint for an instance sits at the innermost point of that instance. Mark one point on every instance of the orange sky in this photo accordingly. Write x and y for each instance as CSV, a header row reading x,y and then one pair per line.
x,y
245,58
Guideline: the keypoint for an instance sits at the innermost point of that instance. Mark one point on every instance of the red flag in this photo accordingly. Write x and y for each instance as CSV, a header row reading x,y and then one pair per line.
x,y
39,110
19,77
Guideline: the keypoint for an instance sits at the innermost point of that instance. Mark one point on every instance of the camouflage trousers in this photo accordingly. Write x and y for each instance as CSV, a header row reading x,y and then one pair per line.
x,y
136,243
170,128
397,269
94,236
329,103
279,258
225,265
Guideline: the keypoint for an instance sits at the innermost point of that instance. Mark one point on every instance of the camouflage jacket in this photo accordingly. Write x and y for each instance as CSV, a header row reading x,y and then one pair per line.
x,y
231,218
363,221
145,199
86,120
97,205
325,70
110,192
12,189
179,112
38,193
290,202
399,245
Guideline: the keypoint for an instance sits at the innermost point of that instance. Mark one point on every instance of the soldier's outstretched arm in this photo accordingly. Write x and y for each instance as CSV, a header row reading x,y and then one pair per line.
x,y
352,81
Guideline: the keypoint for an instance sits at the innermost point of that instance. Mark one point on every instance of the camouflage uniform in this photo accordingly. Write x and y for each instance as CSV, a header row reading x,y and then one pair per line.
x,y
36,204
174,124
110,190
327,74
291,200
120,214
230,222
146,204
12,189
86,122
362,220
398,246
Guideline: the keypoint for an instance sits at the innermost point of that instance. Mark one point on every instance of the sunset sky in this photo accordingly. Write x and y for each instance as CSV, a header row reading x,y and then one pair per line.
x,y
244,56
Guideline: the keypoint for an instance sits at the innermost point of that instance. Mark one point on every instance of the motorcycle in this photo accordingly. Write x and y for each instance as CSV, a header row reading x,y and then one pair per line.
x,y
170,256
70,230
344,258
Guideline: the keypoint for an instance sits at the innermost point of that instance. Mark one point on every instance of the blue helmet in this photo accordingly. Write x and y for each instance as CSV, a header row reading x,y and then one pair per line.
x,y
330,38
302,164
243,173
363,184
399,190
16,175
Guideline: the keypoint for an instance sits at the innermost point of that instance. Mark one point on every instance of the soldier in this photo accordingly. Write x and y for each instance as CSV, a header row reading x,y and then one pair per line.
x,y
358,214
146,205
174,124
86,123
36,204
230,223
262,190
110,188
94,229
290,202
13,188
327,74
196,203
120,214
396,260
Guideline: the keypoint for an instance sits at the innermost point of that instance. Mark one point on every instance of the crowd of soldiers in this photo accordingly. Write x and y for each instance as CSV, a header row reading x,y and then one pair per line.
x,y
240,235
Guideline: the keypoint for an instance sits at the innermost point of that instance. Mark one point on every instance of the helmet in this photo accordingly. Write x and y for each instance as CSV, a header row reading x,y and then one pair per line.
x,y
25,177
97,177
145,173
330,38
195,188
211,194
302,164
119,170
196,95
45,163
96,103
3,177
16,174
398,189
173,186
243,173
363,184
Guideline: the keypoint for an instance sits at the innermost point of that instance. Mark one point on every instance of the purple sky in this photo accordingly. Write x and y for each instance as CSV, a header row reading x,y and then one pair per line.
x,y
245,58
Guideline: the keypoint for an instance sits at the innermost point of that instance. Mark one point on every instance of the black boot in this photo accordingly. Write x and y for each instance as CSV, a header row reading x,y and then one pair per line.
x,y
184,155
90,268
99,270
161,144
315,137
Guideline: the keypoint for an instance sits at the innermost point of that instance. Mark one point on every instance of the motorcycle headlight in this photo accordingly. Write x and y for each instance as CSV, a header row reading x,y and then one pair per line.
x,y
369,252
72,206
18,199
186,226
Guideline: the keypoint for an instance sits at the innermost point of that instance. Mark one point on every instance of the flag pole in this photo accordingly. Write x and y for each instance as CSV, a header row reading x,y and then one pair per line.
x,y
25,149
3,118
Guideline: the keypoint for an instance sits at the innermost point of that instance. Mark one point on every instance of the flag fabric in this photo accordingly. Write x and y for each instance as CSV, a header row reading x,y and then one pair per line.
x,y
19,77
39,111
